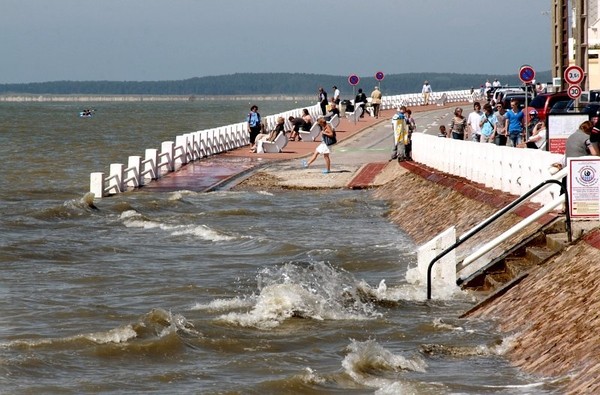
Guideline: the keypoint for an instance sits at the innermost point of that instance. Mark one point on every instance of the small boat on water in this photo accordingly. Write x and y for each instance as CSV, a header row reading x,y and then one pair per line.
x,y
86,114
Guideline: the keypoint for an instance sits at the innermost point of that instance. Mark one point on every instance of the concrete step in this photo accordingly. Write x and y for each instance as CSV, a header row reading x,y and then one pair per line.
x,y
557,241
537,255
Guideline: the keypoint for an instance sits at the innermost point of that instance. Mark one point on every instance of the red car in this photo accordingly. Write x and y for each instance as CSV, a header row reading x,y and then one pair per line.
x,y
543,102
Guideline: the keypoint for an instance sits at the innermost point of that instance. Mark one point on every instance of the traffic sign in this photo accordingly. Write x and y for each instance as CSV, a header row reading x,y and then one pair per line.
x,y
379,75
573,75
526,74
574,91
353,80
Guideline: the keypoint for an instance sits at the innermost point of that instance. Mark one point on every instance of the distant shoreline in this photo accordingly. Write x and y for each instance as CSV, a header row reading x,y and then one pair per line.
x,y
146,98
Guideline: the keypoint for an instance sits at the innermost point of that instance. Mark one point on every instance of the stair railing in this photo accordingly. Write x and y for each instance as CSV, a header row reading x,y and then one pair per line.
x,y
549,207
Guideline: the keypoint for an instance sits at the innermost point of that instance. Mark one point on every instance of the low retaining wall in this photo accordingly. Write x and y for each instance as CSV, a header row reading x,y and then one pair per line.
x,y
507,169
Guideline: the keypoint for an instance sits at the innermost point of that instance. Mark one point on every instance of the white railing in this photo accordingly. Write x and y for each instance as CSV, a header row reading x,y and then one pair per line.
x,y
173,155
508,169
416,99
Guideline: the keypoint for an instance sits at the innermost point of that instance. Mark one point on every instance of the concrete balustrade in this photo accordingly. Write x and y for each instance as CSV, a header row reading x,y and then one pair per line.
x,y
173,155
512,170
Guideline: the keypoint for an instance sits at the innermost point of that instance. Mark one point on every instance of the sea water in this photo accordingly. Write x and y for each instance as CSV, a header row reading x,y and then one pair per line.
x,y
224,292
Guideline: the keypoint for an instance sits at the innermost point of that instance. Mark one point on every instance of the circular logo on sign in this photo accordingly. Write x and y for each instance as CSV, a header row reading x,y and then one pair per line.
x,y
353,79
587,176
379,75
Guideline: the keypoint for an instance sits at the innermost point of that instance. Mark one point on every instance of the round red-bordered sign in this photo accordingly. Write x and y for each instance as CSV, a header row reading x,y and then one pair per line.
x,y
526,74
353,80
379,75
574,91
573,75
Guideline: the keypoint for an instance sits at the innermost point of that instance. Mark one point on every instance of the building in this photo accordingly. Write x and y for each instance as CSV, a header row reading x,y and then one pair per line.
x,y
576,40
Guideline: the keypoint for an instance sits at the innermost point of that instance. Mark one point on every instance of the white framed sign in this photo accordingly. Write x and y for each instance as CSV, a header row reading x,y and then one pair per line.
x,y
583,184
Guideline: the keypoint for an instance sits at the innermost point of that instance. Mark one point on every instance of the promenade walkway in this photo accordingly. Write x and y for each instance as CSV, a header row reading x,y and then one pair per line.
x,y
349,159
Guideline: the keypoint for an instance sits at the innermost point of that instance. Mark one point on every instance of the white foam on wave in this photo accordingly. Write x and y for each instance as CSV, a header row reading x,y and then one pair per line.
x,y
224,304
314,291
117,335
157,323
368,363
133,219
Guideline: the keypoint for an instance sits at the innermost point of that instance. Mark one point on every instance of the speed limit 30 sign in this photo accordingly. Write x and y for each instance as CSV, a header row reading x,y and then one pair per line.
x,y
574,91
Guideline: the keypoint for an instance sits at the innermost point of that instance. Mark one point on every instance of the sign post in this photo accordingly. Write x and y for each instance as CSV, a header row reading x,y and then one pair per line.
x,y
379,77
574,91
353,80
574,76
526,75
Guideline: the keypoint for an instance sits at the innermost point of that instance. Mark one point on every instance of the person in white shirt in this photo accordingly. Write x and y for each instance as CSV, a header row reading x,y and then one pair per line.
x,y
473,122
336,95
496,83
426,91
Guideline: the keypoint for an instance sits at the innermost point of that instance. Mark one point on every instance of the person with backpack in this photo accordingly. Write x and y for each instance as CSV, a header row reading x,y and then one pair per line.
x,y
328,138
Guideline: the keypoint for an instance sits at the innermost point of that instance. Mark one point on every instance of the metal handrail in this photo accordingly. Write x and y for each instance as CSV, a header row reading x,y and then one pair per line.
x,y
496,216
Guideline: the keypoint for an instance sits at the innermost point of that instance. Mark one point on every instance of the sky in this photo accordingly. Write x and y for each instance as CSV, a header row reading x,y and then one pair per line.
x,y
156,40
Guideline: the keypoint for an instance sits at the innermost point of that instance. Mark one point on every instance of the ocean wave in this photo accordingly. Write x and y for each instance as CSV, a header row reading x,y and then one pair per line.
x,y
224,304
464,351
133,219
152,329
370,364
73,208
315,291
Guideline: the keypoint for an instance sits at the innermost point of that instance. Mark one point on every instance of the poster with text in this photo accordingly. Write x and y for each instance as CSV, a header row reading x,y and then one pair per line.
x,y
584,187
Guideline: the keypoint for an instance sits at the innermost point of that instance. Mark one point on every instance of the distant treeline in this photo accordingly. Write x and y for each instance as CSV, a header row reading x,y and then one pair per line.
x,y
264,84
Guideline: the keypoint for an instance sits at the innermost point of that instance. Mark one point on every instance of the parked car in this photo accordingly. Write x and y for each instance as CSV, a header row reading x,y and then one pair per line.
x,y
561,107
499,92
543,102
590,96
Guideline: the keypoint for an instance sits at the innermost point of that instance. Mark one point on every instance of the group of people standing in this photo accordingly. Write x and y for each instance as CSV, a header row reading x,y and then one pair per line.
x,y
495,124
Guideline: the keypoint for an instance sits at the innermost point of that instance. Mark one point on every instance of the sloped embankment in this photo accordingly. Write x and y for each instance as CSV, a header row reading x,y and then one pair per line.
x,y
555,311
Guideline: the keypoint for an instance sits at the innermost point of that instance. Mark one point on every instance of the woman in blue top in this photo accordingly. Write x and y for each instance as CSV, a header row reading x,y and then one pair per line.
x,y
514,122
253,125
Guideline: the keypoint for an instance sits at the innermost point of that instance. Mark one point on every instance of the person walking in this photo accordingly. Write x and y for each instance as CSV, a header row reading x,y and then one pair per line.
x,y
426,91
458,125
361,101
328,138
336,95
487,124
473,122
500,134
514,123
412,126
376,101
253,126
323,101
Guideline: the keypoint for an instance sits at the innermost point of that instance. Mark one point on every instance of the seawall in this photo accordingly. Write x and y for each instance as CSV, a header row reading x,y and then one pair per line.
x,y
553,314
